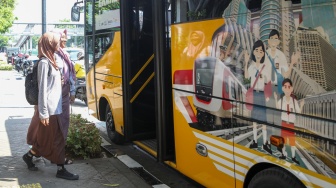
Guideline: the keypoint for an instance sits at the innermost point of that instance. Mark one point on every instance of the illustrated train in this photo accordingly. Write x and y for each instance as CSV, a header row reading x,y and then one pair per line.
x,y
218,94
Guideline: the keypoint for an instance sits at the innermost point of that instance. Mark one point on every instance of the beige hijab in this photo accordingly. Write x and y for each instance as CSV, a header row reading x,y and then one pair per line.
x,y
47,45
196,43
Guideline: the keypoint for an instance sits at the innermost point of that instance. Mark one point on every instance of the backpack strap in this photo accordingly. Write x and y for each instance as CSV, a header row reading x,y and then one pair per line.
x,y
294,104
255,81
272,61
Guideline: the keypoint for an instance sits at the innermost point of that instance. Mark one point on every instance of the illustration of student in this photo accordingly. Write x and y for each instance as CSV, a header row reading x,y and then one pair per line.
x,y
258,72
279,70
289,107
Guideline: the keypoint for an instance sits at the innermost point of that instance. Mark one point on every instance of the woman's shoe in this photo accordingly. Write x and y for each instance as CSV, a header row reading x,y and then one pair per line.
x,y
63,173
29,161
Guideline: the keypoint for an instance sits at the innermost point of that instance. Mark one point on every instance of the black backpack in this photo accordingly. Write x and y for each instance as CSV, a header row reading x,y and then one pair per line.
x,y
31,85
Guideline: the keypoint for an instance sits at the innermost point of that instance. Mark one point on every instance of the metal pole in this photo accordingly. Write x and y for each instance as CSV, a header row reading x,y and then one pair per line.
x,y
31,42
44,17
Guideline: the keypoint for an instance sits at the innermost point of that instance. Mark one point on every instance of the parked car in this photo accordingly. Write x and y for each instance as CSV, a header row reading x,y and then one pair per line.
x,y
10,51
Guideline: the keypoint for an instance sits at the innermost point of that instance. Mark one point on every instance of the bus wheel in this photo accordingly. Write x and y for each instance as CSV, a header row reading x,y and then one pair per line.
x,y
274,177
113,135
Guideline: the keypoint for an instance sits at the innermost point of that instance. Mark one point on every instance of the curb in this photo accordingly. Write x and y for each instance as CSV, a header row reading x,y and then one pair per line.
x,y
135,167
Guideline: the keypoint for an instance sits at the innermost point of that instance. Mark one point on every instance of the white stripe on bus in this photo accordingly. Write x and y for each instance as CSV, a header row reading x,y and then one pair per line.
x,y
226,146
316,180
229,164
229,172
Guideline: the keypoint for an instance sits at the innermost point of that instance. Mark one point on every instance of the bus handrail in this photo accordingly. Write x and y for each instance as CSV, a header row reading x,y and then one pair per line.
x,y
142,68
142,87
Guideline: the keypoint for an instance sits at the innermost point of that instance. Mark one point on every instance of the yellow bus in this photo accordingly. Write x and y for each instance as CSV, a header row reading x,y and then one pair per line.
x,y
231,93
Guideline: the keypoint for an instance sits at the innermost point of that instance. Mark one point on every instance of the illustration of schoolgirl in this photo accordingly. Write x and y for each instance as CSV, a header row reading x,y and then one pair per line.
x,y
289,107
258,72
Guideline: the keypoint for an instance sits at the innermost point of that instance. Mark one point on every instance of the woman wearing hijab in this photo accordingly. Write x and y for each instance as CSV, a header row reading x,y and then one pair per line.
x,y
68,88
44,133
196,47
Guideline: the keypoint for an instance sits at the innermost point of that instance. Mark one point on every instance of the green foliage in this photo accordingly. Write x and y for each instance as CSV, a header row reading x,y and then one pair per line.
x,y
5,66
4,40
60,26
83,138
111,6
6,15
34,185
35,40
197,15
246,81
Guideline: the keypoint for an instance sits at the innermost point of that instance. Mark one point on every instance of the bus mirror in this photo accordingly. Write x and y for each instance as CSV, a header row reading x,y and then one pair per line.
x,y
75,13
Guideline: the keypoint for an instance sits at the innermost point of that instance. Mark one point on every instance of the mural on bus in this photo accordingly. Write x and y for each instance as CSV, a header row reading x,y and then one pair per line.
x,y
264,80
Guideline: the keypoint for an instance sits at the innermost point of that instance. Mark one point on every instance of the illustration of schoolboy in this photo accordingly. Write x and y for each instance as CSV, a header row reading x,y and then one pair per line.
x,y
278,63
289,108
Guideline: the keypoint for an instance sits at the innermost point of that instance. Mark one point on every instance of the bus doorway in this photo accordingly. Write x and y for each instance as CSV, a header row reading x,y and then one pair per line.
x,y
141,121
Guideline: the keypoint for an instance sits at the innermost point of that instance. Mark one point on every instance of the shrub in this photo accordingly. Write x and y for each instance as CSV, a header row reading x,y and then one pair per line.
x,y
6,67
83,138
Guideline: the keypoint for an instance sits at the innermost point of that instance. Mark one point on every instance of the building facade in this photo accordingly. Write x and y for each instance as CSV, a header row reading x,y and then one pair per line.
x,y
317,56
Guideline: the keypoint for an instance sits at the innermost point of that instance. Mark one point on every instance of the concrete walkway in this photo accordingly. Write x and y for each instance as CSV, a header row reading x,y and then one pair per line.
x,y
15,116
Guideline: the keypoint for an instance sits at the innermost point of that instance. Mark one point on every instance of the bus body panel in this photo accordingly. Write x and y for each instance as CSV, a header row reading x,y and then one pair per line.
x,y
188,161
200,124
108,82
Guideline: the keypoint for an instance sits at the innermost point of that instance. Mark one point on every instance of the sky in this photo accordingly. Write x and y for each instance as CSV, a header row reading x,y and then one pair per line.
x,y
31,10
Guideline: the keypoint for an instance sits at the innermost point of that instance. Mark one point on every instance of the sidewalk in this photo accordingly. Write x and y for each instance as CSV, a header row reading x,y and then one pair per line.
x,y
102,172
15,116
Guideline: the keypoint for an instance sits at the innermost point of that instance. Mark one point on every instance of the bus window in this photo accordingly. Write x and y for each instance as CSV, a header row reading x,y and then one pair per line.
x,y
102,43
89,53
187,11
89,17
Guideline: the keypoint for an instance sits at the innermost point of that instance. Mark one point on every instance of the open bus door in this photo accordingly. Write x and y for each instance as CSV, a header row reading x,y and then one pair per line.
x,y
146,78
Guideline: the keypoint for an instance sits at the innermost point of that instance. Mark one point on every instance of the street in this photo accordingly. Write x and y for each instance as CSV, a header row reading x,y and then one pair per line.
x,y
15,116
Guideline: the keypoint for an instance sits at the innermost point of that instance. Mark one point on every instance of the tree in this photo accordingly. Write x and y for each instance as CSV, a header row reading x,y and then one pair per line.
x,y
202,9
60,26
4,40
35,40
6,15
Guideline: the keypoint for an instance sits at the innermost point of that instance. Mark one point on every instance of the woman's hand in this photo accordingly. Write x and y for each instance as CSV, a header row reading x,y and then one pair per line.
x,y
72,99
45,121
246,57
62,79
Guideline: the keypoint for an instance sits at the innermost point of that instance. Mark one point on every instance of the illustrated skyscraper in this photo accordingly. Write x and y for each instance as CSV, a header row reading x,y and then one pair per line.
x,y
277,14
317,56
322,15
238,24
